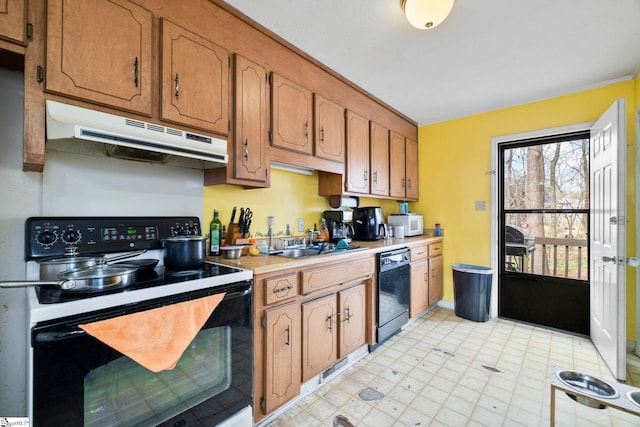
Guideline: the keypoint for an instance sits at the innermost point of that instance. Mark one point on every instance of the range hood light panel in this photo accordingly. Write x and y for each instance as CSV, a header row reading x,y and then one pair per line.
x,y
291,168
67,122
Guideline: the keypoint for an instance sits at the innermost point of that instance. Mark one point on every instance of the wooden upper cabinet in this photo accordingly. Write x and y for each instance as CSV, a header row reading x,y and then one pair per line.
x,y
379,160
100,51
13,20
329,129
195,80
411,169
250,119
291,115
357,160
397,169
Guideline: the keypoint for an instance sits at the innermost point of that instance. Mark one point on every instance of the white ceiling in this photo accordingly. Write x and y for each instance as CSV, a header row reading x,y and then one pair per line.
x,y
488,54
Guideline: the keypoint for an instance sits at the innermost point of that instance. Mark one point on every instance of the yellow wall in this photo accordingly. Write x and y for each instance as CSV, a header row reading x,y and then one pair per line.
x,y
291,196
455,164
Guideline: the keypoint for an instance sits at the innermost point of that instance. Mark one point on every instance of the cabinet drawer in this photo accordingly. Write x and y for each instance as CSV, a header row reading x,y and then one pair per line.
x,y
280,288
324,277
419,252
435,249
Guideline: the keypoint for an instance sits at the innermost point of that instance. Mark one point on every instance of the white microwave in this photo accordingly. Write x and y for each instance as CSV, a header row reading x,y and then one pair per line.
x,y
412,223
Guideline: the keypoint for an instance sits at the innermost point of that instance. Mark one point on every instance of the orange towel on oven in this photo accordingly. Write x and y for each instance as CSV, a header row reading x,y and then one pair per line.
x,y
156,338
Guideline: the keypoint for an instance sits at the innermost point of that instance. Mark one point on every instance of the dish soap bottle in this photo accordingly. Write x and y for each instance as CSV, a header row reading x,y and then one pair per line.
x,y
324,233
215,233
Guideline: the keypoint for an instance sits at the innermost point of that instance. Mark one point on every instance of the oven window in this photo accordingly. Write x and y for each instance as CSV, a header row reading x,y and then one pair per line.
x,y
115,392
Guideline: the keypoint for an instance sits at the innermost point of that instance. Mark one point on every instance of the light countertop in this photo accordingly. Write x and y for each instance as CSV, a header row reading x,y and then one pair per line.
x,y
267,263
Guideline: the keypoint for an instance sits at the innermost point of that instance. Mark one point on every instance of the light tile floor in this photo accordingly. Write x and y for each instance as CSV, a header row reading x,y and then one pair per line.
x,y
446,371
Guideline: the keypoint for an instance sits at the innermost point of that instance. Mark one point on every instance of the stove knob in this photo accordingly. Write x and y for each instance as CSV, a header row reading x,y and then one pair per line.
x,y
71,236
46,238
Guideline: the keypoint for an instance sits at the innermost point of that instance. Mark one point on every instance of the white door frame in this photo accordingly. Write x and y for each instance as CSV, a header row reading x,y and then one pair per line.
x,y
496,186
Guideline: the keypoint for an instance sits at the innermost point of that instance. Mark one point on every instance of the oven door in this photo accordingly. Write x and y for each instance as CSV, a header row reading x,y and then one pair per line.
x,y
79,381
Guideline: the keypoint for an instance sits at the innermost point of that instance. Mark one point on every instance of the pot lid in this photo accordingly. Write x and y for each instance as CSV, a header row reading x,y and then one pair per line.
x,y
66,260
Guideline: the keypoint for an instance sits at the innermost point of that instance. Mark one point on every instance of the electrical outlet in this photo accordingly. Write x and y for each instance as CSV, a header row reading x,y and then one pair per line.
x,y
300,225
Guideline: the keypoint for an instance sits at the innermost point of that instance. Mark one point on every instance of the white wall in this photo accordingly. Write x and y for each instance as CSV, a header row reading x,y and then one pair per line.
x,y
78,180
20,197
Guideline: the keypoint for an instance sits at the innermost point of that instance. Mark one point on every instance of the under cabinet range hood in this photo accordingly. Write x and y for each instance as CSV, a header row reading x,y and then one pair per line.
x,y
131,138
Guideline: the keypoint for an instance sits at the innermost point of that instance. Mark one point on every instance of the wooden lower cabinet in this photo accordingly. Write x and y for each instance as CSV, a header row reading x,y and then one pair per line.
x,y
281,355
305,320
426,277
435,279
332,327
352,334
419,292
319,332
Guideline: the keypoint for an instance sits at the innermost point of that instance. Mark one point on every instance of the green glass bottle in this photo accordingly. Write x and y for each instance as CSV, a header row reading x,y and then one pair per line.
x,y
215,233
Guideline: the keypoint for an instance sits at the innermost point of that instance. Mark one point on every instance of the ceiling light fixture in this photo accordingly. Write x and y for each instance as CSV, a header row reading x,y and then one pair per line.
x,y
426,14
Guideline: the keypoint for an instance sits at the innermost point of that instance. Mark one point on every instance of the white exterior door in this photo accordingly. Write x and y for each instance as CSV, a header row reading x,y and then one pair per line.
x,y
607,191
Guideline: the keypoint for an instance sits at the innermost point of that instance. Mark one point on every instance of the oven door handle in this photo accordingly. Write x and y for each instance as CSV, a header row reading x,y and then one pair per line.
x,y
53,336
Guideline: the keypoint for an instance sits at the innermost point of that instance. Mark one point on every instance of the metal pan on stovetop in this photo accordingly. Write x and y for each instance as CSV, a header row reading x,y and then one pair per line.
x,y
95,278
71,260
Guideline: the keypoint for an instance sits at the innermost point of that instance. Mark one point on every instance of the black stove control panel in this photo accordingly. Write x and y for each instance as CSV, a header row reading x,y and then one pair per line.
x,y
55,236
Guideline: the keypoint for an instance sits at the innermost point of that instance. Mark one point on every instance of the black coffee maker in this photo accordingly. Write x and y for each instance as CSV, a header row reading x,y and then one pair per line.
x,y
339,224
368,223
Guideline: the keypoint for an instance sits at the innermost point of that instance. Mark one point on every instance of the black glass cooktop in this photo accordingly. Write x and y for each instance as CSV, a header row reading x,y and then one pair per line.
x,y
158,276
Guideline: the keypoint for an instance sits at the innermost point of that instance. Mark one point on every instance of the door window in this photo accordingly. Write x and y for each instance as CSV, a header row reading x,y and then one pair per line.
x,y
545,203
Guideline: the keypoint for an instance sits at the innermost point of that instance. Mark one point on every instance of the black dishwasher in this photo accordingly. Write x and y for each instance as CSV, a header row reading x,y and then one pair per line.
x,y
393,277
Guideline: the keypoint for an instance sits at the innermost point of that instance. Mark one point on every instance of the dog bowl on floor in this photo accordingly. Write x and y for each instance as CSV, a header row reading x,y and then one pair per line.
x,y
588,385
634,396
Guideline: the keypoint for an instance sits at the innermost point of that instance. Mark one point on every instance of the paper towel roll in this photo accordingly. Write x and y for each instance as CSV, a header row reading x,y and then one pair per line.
x,y
345,202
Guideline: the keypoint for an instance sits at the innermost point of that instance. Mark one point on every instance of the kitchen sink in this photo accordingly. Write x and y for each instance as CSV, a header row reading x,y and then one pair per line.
x,y
299,252
311,251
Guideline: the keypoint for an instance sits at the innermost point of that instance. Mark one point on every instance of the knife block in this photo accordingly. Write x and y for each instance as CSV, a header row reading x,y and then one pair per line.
x,y
234,236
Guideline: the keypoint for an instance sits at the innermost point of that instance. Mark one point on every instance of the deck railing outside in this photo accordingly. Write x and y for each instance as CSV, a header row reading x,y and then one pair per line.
x,y
558,257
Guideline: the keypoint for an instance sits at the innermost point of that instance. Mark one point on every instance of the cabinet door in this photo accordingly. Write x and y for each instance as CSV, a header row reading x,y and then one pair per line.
x,y
435,279
411,170
329,129
195,80
250,128
281,355
291,113
357,167
352,319
379,160
13,19
319,335
100,51
419,294
397,168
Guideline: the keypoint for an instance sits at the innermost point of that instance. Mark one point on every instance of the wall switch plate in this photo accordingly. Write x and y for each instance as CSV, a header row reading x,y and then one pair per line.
x,y
300,224
481,205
